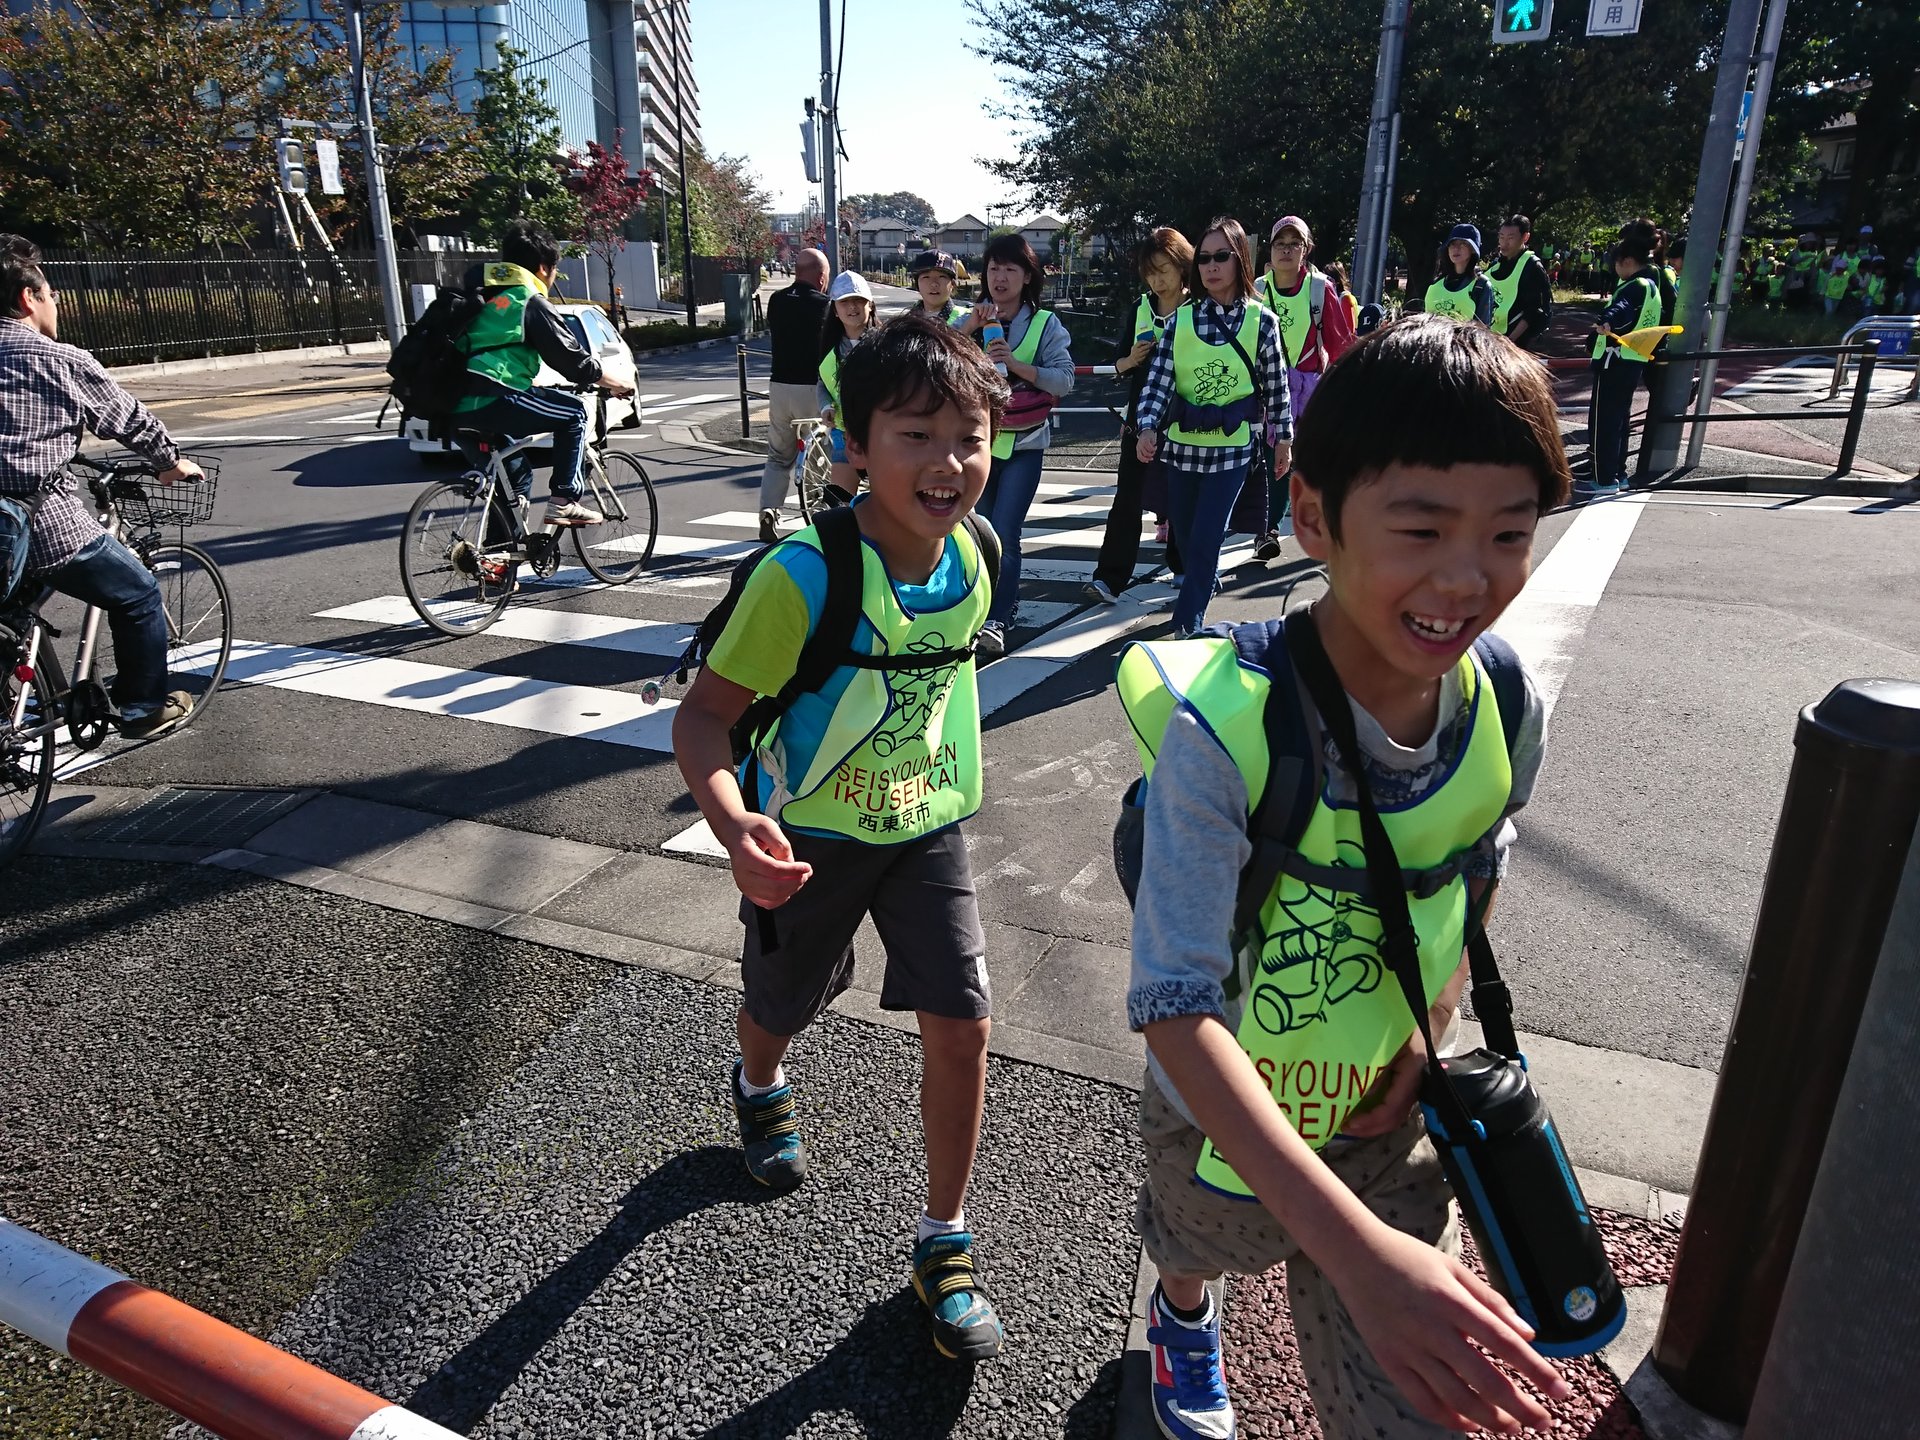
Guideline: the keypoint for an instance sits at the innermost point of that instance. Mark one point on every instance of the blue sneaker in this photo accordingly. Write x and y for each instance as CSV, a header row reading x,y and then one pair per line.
x,y
1586,490
965,1326
769,1134
1189,1391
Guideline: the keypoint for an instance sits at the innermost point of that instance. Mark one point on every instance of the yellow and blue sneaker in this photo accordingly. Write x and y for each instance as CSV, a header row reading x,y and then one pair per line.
x,y
1189,1389
965,1326
770,1134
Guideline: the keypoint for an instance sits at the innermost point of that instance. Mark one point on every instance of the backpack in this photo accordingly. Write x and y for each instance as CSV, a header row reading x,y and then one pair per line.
x,y
1295,765
428,368
830,646
16,539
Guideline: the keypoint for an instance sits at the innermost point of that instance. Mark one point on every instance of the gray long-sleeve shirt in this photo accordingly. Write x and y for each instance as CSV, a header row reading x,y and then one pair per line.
x,y
1196,846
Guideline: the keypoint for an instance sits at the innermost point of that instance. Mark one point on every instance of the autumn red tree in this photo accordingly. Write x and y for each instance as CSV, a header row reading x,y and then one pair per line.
x,y
609,197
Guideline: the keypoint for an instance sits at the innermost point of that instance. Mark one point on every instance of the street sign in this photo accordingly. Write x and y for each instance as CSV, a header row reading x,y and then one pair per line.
x,y
1517,21
326,156
1613,17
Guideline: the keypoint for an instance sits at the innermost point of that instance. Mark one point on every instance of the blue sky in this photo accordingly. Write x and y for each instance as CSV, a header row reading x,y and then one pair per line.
x,y
910,101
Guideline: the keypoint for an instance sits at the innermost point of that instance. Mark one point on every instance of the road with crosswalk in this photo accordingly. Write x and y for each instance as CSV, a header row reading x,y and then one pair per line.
x,y
1678,637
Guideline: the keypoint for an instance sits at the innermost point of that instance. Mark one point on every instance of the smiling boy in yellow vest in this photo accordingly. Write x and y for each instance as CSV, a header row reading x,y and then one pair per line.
x,y
1278,1115
859,790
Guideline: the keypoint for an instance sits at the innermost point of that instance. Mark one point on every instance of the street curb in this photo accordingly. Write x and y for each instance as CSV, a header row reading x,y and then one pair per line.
x,y
1853,484
686,434
160,368
686,349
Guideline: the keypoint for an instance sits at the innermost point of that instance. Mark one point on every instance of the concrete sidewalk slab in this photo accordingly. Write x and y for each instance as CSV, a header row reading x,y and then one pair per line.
x,y
341,832
513,870
1078,993
673,902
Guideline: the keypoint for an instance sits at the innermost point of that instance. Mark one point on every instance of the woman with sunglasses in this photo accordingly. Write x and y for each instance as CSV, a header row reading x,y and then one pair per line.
x,y
1217,383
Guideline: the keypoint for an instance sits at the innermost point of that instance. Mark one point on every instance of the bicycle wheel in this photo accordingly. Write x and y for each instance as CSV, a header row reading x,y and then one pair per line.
x,y
816,476
26,765
455,583
199,621
618,487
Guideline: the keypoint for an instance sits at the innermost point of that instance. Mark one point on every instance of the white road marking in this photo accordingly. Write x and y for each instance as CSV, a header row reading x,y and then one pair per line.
x,y
542,625
581,712
690,400
1546,623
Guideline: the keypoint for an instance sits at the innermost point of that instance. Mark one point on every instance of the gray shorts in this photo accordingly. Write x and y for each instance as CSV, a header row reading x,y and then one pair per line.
x,y
921,897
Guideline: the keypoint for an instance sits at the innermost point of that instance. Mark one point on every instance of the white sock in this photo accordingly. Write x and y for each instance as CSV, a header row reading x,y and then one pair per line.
x,y
754,1092
930,1227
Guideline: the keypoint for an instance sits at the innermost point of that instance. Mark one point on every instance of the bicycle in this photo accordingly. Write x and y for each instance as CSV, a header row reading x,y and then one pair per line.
x,y
464,539
36,695
813,486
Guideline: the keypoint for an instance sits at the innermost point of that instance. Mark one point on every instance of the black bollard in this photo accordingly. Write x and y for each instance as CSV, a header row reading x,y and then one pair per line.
x,y
740,354
1841,1362
1849,817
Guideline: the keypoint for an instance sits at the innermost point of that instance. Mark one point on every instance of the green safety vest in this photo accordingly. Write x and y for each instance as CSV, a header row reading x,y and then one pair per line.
x,y
1874,289
901,754
1457,303
1208,374
1649,315
1024,352
1776,282
1146,319
830,376
1323,1016
495,341
954,315
1506,291
1837,284
1299,315
1853,264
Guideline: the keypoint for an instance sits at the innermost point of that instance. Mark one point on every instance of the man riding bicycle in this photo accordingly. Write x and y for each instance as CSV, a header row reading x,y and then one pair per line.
x,y
50,395
505,344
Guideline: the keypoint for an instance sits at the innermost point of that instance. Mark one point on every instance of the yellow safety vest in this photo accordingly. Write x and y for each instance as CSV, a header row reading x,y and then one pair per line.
x,y
1323,1015
1208,374
1649,315
1024,352
1506,291
1147,323
1457,303
830,376
495,342
901,754
1299,315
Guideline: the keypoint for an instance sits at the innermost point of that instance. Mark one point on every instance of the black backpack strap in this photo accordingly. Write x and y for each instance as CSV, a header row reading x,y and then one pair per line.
x,y
1502,665
1286,801
988,541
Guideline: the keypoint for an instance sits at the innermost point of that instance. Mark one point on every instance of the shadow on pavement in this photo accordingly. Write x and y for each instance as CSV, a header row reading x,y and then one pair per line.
x,y
472,1380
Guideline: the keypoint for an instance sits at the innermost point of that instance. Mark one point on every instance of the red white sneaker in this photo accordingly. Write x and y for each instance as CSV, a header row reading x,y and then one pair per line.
x,y
1189,1390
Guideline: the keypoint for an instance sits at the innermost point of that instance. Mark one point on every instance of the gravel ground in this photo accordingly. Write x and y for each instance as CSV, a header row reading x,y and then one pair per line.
x,y
591,1259
1270,1392
216,1083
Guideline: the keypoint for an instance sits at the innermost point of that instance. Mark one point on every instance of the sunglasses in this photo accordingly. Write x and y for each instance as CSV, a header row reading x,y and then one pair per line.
x,y
1214,257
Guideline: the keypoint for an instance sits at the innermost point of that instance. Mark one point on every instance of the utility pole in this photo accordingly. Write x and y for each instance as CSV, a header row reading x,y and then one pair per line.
x,y
382,219
1376,201
1764,61
686,226
1673,384
830,139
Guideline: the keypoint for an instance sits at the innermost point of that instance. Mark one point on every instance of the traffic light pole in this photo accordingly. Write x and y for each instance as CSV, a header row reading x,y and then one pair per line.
x,y
383,246
1370,234
829,140
1673,383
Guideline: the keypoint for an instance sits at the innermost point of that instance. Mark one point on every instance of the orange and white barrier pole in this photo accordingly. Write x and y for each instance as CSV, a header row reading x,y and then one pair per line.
x,y
235,1385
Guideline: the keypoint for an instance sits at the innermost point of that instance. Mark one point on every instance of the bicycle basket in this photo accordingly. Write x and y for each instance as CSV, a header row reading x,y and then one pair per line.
x,y
146,504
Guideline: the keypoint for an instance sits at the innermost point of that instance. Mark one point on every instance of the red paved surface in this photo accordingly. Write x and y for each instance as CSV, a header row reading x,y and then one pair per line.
x,y
1269,1391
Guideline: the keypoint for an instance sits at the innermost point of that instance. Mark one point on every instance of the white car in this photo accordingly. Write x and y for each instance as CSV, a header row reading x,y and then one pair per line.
x,y
596,334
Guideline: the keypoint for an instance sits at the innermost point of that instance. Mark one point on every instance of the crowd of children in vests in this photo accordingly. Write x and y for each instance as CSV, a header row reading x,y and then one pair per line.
x,y
832,740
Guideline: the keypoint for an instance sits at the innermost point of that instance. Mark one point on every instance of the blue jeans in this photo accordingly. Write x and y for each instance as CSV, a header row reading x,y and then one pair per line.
x,y
107,574
541,411
1200,505
1011,485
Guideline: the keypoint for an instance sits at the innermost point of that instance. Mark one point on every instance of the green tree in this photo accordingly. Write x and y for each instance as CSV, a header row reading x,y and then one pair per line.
x,y
144,122
900,205
432,147
732,211
522,158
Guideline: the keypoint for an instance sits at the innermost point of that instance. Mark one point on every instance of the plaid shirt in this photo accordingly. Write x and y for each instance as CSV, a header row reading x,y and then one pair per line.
x,y
50,395
1213,324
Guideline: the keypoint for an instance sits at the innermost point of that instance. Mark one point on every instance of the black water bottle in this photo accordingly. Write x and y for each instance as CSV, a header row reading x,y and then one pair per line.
x,y
1523,1205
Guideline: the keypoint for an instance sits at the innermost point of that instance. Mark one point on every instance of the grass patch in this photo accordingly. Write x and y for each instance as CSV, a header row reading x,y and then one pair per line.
x,y
642,338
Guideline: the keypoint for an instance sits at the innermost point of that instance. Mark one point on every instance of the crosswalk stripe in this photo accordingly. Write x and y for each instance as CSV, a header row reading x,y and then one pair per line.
x,y
581,712
691,400
543,625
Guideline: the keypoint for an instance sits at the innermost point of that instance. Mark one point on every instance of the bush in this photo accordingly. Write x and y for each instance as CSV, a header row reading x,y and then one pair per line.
x,y
642,338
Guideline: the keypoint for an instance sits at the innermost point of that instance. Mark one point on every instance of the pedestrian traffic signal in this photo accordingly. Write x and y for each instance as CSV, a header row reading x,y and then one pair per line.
x,y
810,145
1517,21
290,158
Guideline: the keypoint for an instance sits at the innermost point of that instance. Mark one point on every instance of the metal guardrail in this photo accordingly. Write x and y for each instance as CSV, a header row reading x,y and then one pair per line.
x,y
1898,339
1867,351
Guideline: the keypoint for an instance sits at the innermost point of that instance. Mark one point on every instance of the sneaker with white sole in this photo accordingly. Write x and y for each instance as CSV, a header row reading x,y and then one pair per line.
x,y
169,714
1100,591
570,513
992,639
1189,1389
769,533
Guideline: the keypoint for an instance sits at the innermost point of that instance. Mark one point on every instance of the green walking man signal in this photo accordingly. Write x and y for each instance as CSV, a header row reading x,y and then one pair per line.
x,y
1516,21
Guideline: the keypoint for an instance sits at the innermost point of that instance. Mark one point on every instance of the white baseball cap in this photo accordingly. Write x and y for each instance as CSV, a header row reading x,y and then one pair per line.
x,y
848,283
